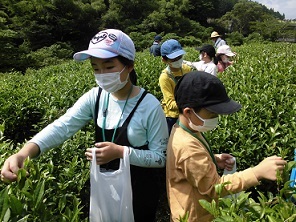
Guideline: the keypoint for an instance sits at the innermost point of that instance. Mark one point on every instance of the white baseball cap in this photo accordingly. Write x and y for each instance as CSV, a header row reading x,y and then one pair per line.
x,y
108,43
225,49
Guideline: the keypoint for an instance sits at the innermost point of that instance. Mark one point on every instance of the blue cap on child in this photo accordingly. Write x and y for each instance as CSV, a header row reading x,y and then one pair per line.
x,y
171,49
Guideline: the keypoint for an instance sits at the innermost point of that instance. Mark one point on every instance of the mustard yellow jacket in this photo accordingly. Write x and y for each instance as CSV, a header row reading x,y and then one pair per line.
x,y
191,175
167,83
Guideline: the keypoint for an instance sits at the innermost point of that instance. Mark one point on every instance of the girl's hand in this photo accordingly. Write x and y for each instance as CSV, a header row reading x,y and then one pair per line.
x,y
11,167
105,152
16,161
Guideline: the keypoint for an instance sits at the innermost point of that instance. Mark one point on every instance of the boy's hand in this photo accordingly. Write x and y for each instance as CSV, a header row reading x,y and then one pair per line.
x,y
267,169
224,161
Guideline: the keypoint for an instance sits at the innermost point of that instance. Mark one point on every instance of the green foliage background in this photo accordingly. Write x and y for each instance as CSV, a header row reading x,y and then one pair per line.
x,y
262,79
40,32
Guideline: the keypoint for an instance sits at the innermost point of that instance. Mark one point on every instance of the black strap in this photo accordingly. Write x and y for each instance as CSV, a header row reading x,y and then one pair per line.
x,y
128,119
97,113
126,122
216,43
97,105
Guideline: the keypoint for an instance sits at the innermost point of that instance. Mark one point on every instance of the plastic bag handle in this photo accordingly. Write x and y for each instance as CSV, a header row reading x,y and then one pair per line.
x,y
123,161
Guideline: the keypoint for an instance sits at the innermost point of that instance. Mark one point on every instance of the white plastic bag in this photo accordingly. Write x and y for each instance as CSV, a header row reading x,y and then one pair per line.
x,y
111,192
233,168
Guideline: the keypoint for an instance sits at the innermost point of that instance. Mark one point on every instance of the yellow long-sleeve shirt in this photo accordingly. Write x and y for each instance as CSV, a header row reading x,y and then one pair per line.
x,y
167,86
191,175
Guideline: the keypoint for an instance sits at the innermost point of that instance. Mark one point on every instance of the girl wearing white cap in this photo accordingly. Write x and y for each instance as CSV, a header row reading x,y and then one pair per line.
x,y
223,57
125,116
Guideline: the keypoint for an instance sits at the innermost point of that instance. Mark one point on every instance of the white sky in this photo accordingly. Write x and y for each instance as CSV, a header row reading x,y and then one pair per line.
x,y
288,7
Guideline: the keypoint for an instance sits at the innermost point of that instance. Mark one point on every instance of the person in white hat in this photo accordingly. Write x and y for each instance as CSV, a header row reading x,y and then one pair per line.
x,y
223,57
218,41
125,116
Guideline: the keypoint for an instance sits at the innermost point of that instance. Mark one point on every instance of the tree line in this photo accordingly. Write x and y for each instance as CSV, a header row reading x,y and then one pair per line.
x,y
36,33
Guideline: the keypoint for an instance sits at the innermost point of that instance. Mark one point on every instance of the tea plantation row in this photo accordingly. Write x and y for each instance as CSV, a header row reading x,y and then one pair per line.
x,y
263,80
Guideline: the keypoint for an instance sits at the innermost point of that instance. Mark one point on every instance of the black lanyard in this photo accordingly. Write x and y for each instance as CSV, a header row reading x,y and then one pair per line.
x,y
206,145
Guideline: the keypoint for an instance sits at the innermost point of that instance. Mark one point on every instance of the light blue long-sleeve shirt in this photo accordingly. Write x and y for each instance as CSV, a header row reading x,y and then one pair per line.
x,y
219,42
147,126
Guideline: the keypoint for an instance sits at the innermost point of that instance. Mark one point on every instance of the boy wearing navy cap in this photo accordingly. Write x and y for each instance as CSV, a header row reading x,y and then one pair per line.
x,y
191,165
155,48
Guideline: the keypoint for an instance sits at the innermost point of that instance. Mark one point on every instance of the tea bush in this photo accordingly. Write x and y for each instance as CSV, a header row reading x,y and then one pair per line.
x,y
31,101
262,79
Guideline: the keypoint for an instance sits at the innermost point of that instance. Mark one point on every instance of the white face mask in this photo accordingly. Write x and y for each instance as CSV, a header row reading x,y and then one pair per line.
x,y
111,82
225,60
200,57
177,64
208,124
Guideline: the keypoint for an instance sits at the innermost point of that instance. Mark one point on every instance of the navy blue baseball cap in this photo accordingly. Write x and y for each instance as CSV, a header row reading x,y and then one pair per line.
x,y
158,38
171,49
